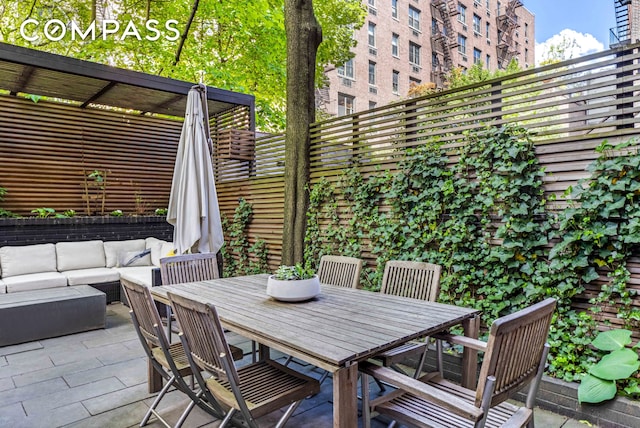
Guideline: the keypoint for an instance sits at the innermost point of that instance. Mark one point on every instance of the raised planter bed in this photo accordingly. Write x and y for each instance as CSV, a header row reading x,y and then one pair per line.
x,y
31,230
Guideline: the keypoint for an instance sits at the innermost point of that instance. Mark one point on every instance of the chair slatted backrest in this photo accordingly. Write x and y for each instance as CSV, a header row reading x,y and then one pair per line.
x,y
417,280
514,350
189,268
340,271
205,336
145,312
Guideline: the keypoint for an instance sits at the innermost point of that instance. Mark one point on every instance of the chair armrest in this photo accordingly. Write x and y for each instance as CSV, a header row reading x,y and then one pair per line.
x,y
467,342
423,390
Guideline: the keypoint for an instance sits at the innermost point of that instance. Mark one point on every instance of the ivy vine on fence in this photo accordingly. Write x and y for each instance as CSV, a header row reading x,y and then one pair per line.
x,y
485,219
239,255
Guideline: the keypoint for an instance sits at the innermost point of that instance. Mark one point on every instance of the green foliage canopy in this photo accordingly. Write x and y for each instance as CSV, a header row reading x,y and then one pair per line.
x,y
238,45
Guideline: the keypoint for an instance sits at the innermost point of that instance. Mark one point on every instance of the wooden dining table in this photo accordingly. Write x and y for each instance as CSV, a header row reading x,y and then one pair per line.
x,y
335,330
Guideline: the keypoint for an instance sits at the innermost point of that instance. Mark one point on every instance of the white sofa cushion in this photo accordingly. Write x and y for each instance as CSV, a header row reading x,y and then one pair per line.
x,y
159,249
3,287
91,276
114,249
80,255
27,259
138,274
35,281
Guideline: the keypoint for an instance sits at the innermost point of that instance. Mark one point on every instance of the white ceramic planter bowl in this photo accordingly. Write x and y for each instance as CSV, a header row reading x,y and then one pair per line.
x,y
293,290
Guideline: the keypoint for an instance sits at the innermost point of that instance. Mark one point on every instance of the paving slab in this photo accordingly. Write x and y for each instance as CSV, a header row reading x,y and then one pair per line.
x,y
61,416
115,399
40,391
48,373
72,395
129,372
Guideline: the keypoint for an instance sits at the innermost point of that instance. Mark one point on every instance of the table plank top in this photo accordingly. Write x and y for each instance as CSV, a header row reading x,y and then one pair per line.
x,y
338,327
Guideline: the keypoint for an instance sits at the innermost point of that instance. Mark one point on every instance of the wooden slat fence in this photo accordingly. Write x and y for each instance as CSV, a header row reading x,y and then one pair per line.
x,y
570,108
48,148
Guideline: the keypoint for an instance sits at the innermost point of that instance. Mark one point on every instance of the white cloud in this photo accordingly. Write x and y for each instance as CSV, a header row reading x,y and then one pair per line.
x,y
566,45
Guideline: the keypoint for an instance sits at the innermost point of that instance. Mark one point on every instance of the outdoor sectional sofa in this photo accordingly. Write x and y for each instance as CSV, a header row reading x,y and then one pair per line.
x,y
49,290
96,263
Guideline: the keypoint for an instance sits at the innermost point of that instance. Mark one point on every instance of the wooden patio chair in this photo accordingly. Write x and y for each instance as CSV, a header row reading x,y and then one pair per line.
x,y
168,360
340,271
417,280
515,356
189,268
253,390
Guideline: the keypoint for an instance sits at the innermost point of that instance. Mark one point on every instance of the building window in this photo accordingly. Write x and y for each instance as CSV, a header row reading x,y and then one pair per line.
x,y
462,13
434,61
488,5
477,56
372,73
394,9
372,3
372,34
526,29
414,82
487,29
487,61
372,105
414,18
462,44
395,39
395,82
476,24
345,104
434,27
414,53
346,70
526,55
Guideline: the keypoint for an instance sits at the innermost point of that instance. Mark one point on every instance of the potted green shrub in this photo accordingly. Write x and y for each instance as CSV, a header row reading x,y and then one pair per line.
x,y
293,284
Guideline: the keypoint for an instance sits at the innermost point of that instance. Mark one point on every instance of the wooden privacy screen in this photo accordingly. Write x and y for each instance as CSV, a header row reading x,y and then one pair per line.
x,y
570,107
49,148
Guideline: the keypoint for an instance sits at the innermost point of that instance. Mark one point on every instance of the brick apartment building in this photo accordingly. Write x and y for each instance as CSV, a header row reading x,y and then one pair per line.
x,y
404,42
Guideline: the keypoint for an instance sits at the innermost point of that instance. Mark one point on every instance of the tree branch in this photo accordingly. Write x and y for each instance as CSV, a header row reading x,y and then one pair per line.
x,y
185,33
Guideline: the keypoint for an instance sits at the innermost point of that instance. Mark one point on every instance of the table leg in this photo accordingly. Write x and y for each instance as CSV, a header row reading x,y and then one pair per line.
x,y
471,328
155,379
345,400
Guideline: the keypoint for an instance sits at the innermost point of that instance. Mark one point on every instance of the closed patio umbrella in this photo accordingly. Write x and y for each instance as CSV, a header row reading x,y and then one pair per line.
x,y
193,203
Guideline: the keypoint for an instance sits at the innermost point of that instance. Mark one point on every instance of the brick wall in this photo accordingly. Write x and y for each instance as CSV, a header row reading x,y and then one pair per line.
x,y
27,231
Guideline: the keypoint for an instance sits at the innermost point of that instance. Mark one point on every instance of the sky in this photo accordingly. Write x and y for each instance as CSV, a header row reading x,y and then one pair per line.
x,y
586,21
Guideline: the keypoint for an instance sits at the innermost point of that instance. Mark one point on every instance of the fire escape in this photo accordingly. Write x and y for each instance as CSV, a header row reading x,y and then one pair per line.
x,y
621,34
442,39
507,21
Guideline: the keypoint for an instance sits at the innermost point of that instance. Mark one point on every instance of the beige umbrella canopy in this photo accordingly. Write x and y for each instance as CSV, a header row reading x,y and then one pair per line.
x,y
193,203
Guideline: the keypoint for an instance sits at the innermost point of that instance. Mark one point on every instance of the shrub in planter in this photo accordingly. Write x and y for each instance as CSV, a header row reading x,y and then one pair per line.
x,y
293,284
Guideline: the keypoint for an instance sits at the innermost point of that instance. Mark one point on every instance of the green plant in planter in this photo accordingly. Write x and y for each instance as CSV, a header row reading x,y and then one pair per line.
x,y
290,273
621,363
116,213
161,211
43,212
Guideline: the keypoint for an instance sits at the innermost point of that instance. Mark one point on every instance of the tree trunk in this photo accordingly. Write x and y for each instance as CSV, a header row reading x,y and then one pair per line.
x,y
303,38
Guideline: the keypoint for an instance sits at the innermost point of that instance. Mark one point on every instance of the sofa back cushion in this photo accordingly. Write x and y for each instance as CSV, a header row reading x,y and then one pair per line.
x,y
115,250
159,249
80,255
27,259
